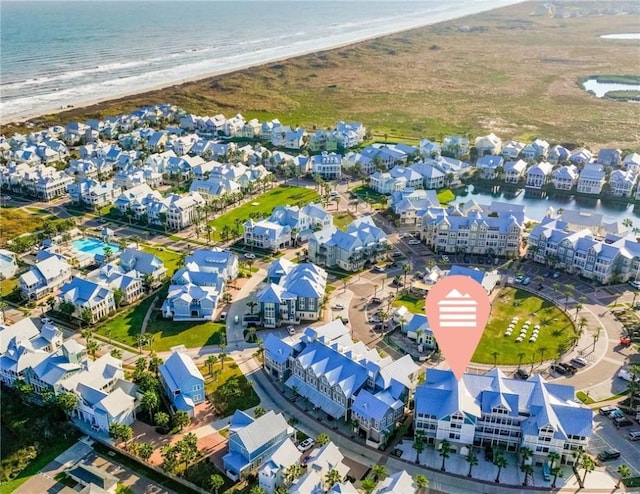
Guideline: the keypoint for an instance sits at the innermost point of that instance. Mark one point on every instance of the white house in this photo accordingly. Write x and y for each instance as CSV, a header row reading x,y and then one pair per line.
x,y
565,177
539,175
8,264
592,178
489,144
45,277
327,165
514,171
84,294
622,182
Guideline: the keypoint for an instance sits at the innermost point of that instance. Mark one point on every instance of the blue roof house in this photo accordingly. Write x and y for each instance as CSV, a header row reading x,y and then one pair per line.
x,y
183,382
252,444
374,416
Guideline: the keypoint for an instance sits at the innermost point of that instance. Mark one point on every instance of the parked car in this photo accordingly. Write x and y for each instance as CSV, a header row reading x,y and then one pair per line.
x,y
378,268
616,414
519,278
609,454
569,368
396,253
291,330
579,361
556,275
376,300
374,320
306,444
338,307
445,258
622,422
378,327
414,241
558,370
634,436
526,280
607,410
223,316
249,255
522,374
635,284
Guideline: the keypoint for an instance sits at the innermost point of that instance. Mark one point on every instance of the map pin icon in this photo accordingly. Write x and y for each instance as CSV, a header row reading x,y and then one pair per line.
x,y
457,308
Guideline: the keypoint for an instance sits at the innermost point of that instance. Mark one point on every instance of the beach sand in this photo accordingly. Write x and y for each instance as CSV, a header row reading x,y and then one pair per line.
x,y
514,71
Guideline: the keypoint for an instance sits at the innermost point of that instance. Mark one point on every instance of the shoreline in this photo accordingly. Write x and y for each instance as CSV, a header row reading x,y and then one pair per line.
x,y
87,104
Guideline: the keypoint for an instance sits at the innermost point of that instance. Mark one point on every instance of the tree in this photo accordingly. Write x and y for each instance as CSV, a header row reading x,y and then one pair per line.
x,y
542,351
92,348
120,433
23,389
501,462
67,402
144,451
418,445
525,454
215,482
422,482
108,252
258,412
624,472
588,465
292,473
210,362
527,470
472,460
553,458
495,356
379,472
332,477
150,402
521,355
116,353
66,309
181,419
86,315
406,268
162,419
557,473
322,439
368,485
256,489
445,452
169,455
118,295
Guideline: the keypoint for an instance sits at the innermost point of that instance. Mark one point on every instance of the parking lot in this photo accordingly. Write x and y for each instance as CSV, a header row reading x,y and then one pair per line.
x,y
606,436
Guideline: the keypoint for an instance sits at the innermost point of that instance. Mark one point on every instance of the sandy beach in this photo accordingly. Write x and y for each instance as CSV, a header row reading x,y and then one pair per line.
x,y
476,74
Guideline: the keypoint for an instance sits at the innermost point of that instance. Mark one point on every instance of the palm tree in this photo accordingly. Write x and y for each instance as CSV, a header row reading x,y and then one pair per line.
x,y
501,462
215,482
422,482
624,472
367,485
445,452
527,470
553,457
210,362
418,445
472,460
495,358
86,315
379,472
525,454
332,477
405,269
557,473
542,351
322,439
292,473
92,348
582,323
589,466
521,355
252,304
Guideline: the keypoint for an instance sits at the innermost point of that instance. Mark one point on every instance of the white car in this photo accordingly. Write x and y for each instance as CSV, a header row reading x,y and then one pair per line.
x,y
249,255
414,241
635,284
338,307
306,444
291,330
445,258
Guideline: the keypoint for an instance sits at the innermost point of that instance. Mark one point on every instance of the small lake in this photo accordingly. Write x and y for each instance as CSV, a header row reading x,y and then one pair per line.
x,y
602,88
536,208
621,36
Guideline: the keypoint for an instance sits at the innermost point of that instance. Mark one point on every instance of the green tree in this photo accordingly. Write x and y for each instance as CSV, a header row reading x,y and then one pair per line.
x,y
120,433
252,304
86,315
332,477
118,295
181,419
445,452
525,454
588,465
418,445
379,472
162,419
258,412
145,450
92,348
368,485
66,309
292,473
215,482
472,460
150,402
624,472
501,462
116,353
527,470
557,473
67,402
256,489
210,362
422,482
322,439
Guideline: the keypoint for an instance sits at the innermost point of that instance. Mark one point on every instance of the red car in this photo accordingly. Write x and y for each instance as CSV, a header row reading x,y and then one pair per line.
x,y
625,340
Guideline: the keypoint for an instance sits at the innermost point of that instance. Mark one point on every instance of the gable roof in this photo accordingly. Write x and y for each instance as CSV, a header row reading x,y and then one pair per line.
x,y
178,370
262,430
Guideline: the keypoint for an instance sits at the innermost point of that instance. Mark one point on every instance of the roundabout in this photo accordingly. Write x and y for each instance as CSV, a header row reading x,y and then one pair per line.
x,y
524,329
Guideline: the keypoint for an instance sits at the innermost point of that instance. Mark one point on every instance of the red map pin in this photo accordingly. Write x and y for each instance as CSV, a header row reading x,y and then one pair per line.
x,y
457,308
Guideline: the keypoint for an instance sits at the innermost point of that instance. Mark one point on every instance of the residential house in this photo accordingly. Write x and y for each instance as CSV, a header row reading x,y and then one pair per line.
x,y
273,472
411,205
396,483
93,194
581,157
94,480
565,177
135,201
455,146
538,149
558,154
214,187
284,136
514,171
326,458
539,175
415,326
250,129
512,149
592,178
254,441
396,179
182,210
432,177
489,144
609,157
490,166
303,221
349,134
144,264
195,289
182,382
487,279
127,287
622,182
266,234
493,410
614,258
327,165
429,149
8,264
376,415
362,242
44,278
296,297
632,162
487,232
84,294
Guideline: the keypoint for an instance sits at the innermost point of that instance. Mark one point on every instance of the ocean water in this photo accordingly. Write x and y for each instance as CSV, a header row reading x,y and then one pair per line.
x,y
55,54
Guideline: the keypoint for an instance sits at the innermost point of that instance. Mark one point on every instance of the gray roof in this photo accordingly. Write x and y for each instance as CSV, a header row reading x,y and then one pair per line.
x,y
262,430
178,370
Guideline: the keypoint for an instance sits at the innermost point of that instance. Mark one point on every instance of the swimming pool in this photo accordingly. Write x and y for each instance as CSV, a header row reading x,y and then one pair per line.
x,y
93,247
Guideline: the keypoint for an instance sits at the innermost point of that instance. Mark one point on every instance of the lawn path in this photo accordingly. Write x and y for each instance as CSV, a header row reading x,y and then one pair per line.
x,y
145,321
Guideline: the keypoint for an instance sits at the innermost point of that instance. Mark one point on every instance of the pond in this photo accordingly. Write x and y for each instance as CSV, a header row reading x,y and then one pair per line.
x,y
621,36
602,88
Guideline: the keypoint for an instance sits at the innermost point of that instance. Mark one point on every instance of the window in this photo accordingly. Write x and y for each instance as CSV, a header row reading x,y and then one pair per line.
x,y
197,387
197,397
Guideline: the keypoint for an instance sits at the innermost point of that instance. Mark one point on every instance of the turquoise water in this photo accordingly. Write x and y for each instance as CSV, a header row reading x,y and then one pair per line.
x,y
93,247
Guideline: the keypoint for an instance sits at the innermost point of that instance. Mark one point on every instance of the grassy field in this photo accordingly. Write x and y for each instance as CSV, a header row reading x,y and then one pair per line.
x,y
513,71
415,305
126,327
263,204
369,195
7,287
17,221
228,389
191,334
170,258
342,219
556,330
445,196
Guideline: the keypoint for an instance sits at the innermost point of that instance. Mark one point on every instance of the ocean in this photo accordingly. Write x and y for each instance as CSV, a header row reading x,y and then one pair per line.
x,y
55,54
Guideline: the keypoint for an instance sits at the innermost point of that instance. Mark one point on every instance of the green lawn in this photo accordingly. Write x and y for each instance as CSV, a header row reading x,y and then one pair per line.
x,y
556,330
445,196
263,205
7,287
342,219
369,195
126,327
191,334
228,389
415,305
170,258
16,221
